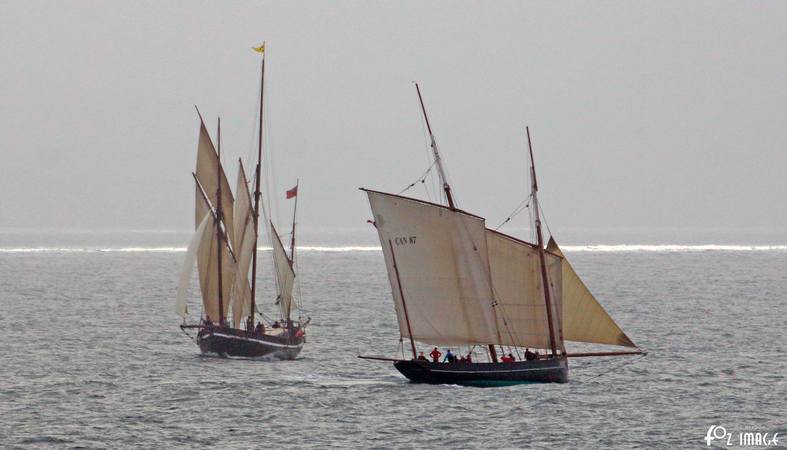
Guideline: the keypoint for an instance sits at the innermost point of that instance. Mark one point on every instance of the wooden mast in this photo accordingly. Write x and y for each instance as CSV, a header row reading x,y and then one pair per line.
x,y
436,154
294,212
541,256
257,195
404,305
218,222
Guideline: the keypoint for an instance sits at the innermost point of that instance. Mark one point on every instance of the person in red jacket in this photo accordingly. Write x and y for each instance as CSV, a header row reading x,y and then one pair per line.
x,y
435,355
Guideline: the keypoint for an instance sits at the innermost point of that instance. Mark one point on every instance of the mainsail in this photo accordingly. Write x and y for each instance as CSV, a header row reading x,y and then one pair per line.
x,y
285,275
244,241
518,290
584,319
441,257
208,266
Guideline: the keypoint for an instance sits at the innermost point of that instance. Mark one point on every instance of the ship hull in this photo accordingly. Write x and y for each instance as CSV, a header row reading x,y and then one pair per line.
x,y
553,370
232,343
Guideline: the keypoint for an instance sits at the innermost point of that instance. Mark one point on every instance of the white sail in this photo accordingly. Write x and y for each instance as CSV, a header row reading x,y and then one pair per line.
x,y
208,267
441,257
244,249
285,274
208,169
518,290
181,307
584,319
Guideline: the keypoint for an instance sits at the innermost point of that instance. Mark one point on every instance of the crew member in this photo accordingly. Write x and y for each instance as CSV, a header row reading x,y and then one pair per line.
x,y
435,355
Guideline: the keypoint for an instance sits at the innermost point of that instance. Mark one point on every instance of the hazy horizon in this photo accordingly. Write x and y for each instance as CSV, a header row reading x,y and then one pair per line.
x,y
644,116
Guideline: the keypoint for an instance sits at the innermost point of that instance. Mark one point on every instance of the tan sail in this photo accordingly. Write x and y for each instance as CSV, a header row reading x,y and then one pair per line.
x,y
285,275
518,290
244,240
584,319
208,167
441,257
207,265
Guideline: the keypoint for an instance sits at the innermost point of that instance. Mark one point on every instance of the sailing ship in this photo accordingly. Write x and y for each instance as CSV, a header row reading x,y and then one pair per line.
x,y
225,247
457,283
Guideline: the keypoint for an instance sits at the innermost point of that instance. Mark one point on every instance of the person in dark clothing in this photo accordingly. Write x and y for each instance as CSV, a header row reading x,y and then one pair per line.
x,y
435,355
469,358
421,356
529,355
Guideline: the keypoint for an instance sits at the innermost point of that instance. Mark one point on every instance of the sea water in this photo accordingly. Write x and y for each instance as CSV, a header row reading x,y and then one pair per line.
x,y
91,354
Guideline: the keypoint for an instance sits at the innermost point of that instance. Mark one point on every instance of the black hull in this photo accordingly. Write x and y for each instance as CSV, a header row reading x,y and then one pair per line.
x,y
486,374
230,343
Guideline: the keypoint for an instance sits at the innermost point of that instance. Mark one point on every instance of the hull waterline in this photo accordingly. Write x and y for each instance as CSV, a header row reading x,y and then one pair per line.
x,y
486,374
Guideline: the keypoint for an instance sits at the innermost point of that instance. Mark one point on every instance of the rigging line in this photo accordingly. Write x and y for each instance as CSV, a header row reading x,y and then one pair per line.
x,y
525,204
544,217
619,366
421,179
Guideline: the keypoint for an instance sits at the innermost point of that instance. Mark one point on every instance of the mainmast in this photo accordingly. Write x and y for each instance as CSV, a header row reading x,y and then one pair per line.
x,y
257,195
541,255
437,160
218,222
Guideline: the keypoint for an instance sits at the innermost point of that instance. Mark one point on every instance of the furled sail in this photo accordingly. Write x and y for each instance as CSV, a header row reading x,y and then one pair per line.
x,y
244,249
441,257
208,168
208,267
181,307
584,319
285,274
518,290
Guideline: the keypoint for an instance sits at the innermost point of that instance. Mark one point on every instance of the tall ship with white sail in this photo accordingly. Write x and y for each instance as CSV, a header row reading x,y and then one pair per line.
x,y
224,248
458,284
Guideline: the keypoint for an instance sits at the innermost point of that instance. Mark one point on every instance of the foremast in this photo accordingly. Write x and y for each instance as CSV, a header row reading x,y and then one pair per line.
x,y
541,251
218,222
438,161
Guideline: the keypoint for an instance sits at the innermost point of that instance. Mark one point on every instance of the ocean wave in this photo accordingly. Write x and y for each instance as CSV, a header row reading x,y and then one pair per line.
x,y
596,248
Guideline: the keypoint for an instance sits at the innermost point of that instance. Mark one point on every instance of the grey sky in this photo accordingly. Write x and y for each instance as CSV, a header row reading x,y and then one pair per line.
x,y
643,114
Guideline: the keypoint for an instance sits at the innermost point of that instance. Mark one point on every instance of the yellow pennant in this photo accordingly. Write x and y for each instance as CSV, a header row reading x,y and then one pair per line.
x,y
260,49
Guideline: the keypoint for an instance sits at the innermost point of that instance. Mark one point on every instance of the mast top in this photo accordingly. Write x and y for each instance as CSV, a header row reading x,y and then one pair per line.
x,y
440,171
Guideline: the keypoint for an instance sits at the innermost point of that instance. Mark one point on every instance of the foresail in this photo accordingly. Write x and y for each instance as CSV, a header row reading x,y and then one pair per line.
x,y
181,306
518,290
584,319
208,169
244,249
441,257
284,273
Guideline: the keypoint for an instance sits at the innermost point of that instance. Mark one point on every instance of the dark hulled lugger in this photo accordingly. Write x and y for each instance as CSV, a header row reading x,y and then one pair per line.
x,y
224,248
457,283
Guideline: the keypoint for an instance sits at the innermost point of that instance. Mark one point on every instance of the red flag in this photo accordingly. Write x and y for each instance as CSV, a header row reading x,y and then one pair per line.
x,y
292,192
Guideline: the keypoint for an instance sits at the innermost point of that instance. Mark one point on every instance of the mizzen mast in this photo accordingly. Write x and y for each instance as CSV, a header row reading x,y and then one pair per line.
x,y
541,256
257,194
436,153
294,212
